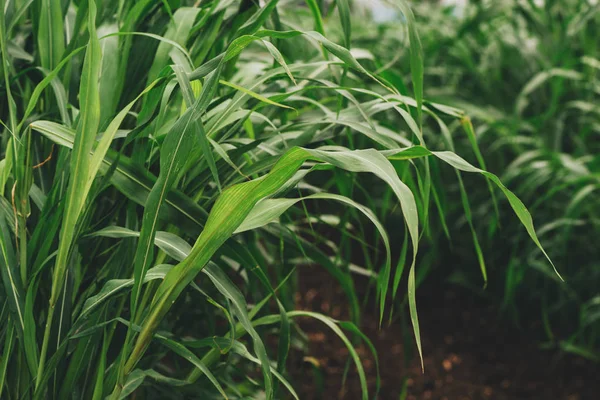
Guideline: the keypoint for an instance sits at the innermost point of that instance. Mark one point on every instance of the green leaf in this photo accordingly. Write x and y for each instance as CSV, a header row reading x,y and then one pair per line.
x,y
51,42
253,94
333,325
135,379
516,204
116,286
50,77
344,11
178,31
416,55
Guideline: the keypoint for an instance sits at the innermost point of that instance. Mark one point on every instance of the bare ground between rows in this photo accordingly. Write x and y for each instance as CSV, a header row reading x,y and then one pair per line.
x,y
469,353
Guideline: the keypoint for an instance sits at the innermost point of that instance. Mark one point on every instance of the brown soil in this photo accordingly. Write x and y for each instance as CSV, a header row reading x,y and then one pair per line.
x,y
468,353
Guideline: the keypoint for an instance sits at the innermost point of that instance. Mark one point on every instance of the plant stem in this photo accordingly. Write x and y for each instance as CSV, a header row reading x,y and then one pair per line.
x,y
44,351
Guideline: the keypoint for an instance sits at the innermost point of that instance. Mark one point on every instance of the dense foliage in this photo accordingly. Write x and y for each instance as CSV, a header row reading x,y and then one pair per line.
x,y
527,73
167,166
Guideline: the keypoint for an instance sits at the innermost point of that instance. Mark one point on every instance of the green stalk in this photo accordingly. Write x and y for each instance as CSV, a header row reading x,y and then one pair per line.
x,y
80,168
23,249
24,181
45,342
6,352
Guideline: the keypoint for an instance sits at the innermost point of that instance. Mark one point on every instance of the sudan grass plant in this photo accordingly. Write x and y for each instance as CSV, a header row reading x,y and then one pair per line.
x,y
159,165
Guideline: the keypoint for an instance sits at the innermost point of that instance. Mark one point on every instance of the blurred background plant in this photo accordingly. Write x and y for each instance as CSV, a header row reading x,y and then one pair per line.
x,y
527,74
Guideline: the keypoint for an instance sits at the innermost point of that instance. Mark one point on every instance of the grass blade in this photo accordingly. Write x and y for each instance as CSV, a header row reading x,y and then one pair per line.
x,y
51,42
